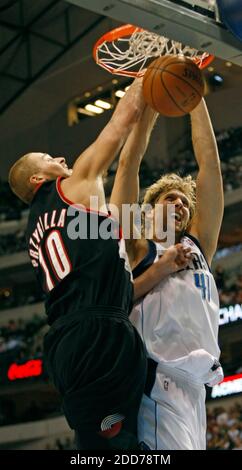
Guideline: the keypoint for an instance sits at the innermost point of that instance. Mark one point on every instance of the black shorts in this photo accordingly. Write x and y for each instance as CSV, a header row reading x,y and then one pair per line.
x,y
97,362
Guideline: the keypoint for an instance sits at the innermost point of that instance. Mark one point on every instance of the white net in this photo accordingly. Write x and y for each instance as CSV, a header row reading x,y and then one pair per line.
x,y
130,55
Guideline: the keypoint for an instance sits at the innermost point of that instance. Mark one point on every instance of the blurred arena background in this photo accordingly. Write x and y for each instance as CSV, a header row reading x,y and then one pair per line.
x,y
48,81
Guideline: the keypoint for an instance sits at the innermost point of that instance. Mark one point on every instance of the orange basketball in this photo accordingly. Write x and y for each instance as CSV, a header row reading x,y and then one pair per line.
x,y
173,85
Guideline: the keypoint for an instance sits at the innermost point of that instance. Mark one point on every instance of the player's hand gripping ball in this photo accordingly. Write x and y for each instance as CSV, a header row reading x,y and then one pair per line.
x,y
173,85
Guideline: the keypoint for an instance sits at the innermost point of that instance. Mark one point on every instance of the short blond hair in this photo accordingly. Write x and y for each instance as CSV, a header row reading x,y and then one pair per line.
x,y
170,182
19,178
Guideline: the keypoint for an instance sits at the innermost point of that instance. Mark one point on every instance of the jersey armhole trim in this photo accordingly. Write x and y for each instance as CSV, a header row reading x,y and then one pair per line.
x,y
147,261
195,240
77,205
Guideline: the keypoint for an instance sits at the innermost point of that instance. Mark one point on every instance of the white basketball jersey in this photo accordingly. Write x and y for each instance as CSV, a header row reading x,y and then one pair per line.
x,y
180,315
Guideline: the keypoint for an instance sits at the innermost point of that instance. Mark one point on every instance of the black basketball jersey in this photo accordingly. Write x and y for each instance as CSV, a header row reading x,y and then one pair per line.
x,y
78,254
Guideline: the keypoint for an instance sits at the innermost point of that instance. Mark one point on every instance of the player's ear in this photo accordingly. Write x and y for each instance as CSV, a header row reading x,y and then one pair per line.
x,y
151,213
147,220
36,179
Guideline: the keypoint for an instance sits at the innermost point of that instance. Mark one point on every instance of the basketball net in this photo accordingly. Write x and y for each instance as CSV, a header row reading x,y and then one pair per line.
x,y
128,50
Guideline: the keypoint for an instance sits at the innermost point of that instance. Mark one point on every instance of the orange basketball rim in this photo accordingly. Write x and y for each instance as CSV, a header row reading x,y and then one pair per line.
x,y
128,50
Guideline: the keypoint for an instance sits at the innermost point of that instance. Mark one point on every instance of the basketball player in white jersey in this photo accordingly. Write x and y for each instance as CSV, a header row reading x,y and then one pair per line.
x,y
178,319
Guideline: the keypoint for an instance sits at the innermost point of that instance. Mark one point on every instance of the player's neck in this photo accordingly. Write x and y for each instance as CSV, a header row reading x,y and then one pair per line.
x,y
178,236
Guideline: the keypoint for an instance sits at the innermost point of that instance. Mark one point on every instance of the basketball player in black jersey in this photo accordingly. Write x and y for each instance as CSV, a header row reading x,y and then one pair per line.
x,y
93,353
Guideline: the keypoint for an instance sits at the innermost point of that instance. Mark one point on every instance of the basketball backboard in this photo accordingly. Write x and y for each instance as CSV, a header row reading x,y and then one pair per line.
x,y
193,22
206,4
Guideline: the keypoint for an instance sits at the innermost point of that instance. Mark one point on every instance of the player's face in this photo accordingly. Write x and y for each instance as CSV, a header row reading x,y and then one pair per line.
x,y
181,213
51,167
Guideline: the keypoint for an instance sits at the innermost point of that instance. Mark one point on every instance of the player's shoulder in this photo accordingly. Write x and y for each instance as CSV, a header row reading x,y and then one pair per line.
x,y
190,240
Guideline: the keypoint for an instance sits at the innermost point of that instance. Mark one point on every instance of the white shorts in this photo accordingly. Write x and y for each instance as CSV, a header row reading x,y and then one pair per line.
x,y
174,416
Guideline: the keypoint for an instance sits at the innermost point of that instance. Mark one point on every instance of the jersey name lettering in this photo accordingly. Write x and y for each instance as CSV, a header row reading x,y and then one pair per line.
x,y
47,221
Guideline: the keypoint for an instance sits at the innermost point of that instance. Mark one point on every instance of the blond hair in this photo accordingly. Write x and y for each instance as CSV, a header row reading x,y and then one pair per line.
x,y
19,178
170,182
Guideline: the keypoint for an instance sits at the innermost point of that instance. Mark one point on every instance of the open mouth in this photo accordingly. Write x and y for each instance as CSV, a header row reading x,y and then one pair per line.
x,y
176,216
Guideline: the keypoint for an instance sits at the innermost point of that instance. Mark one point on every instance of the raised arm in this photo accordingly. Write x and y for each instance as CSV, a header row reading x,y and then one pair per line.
x,y
210,202
126,184
98,157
